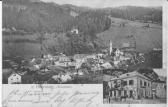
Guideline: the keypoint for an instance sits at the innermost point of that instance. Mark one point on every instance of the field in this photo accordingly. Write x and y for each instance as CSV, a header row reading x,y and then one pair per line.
x,y
146,38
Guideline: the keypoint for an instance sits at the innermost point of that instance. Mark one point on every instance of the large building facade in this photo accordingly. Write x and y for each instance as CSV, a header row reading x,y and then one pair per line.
x,y
132,84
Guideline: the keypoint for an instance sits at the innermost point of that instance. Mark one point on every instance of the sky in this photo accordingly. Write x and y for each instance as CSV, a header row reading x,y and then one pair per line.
x,y
108,3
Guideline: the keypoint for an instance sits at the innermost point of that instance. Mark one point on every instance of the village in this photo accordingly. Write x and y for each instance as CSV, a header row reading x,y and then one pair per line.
x,y
79,68
124,72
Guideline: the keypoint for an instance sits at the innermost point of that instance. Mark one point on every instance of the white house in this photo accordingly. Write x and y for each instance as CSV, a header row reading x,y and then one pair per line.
x,y
100,55
14,78
75,31
91,56
48,56
63,64
65,78
116,63
79,63
63,61
106,65
37,67
118,52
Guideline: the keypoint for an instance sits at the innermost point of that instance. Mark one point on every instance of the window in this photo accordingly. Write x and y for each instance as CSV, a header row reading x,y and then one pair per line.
x,y
131,82
125,92
145,84
140,82
124,83
148,85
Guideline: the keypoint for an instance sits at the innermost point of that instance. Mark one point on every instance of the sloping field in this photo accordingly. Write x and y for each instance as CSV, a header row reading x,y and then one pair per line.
x,y
146,38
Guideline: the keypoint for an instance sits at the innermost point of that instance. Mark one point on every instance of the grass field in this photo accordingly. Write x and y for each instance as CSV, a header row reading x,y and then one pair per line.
x,y
146,38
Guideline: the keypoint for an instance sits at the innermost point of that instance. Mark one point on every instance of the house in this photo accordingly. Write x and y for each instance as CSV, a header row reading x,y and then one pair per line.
x,y
73,13
80,56
106,65
49,57
101,61
63,58
100,55
63,64
37,67
63,61
75,31
159,90
83,71
80,72
116,64
79,59
14,78
159,86
65,78
132,84
94,56
79,63
118,52
96,68
72,64
33,60
126,44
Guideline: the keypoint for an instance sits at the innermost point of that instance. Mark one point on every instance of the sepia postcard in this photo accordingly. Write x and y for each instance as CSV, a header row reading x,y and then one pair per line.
x,y
84,53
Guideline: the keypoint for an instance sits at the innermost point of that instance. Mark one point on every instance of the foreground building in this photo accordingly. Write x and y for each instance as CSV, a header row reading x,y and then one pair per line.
x,y
132,84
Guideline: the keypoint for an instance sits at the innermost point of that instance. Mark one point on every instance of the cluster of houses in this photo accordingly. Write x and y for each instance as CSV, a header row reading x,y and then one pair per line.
x,y
61,68
69,66
110,67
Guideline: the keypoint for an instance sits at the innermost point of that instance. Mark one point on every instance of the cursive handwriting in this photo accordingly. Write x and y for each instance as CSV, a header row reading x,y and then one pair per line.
x,y
57,97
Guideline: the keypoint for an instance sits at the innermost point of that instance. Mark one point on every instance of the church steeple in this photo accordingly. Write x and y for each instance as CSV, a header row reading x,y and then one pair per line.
x,y
111,47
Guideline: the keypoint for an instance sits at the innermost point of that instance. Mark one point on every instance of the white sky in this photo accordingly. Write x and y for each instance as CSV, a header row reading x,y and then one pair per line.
x,y
108,3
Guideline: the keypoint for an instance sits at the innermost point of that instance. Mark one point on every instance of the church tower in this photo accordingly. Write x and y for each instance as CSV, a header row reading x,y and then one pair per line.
x,y
111,47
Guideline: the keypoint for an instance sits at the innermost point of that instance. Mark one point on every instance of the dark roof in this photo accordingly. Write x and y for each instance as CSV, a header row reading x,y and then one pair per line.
x,y
114,71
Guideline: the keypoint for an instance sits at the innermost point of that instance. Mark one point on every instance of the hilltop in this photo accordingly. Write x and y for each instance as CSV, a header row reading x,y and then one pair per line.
x,y
35,15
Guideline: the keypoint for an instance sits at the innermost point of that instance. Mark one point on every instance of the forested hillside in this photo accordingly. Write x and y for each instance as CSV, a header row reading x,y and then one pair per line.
x,y
95,25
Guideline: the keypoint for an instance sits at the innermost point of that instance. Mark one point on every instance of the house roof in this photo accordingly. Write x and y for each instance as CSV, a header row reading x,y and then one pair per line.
x,y
13,74
131,74
79,56
107,77
160,72
113,71
106,65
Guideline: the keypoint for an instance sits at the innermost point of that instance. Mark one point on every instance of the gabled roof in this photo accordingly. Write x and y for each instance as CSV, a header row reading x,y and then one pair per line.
x,y
131,74
13,74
